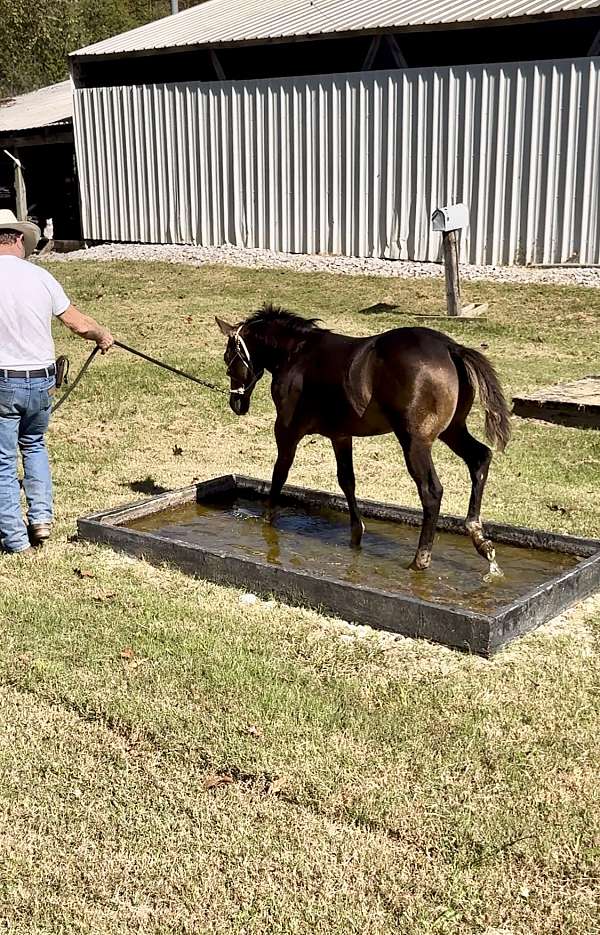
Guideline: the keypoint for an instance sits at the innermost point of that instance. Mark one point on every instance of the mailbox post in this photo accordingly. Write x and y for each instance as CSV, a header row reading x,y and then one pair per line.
x,y
450,220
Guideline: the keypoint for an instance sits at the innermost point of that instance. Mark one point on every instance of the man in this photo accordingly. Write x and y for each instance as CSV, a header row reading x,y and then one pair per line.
x,y
29,300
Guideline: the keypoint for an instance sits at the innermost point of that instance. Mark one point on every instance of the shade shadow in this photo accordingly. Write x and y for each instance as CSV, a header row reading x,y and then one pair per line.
x,y
147,486
380,308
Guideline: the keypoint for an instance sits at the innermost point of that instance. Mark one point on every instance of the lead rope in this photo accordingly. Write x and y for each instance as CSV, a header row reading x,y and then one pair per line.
x,y
180,373
68,392
152,360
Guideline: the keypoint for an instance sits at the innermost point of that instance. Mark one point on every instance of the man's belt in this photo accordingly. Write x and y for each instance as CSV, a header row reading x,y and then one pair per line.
x,y
28,374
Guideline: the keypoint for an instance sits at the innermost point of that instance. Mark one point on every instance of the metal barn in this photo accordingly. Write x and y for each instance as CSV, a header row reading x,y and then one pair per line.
x,y
337,127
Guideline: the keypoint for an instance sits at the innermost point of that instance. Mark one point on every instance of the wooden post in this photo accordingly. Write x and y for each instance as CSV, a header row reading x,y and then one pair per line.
x,y
20,191
450,248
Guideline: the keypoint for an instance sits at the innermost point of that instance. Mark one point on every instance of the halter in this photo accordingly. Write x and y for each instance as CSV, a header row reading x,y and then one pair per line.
x,y
241,351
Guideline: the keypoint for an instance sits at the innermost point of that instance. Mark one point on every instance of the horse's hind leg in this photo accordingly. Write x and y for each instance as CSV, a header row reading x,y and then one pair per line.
x,y
417,453
345,475
477,457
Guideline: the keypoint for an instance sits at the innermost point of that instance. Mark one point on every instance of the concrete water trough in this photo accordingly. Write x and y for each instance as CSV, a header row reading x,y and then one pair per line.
x,y
216,530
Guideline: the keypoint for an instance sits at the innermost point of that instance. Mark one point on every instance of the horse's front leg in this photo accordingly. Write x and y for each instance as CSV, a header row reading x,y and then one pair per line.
x,y
345,475
287,443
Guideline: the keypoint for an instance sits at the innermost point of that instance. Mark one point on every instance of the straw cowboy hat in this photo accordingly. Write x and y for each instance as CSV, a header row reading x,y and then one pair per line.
x,y
31,232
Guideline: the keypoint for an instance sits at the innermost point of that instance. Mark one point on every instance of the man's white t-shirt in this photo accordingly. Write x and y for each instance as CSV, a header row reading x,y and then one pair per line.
x,y
29,298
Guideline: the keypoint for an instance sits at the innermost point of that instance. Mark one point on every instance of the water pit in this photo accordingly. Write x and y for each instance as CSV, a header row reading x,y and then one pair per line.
x,y
217,530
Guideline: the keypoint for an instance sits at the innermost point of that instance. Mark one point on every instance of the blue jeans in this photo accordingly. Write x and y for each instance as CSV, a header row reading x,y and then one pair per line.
x,y
24,416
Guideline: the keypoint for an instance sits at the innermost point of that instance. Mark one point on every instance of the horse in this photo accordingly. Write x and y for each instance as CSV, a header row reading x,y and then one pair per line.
x,y
418,383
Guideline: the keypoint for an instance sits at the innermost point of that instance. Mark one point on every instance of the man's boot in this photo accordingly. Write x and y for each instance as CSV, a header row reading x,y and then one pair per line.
x,y
39,532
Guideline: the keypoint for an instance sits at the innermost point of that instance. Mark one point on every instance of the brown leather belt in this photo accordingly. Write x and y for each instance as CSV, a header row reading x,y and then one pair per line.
x,y
27,374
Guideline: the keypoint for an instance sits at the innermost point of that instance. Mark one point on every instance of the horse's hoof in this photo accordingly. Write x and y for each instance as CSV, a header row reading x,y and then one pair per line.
x,y
421,561
356,536
494,573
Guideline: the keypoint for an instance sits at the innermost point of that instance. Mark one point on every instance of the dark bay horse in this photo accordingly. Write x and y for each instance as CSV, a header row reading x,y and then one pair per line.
x,y
415,382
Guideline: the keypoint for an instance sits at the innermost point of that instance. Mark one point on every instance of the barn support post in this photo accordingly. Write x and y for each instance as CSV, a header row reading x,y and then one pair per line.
x,y
371,53
20,190
595,46
397,52
216,64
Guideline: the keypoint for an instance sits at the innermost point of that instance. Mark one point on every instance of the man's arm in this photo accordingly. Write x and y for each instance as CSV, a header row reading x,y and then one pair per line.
x,y
87,328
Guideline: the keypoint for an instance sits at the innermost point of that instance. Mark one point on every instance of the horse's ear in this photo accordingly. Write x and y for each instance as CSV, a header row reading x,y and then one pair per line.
x,y
225,328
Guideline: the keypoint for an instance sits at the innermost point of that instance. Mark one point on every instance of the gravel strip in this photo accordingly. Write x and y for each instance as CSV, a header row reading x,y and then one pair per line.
x,y
350,266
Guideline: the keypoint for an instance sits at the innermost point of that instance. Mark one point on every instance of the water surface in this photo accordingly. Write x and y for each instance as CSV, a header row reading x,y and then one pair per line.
x,y
317,540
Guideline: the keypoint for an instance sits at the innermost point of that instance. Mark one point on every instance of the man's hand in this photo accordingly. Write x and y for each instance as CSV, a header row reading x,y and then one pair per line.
x,y
87,327
104,340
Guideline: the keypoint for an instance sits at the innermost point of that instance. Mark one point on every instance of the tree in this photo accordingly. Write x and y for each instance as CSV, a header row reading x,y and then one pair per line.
x,y
37,38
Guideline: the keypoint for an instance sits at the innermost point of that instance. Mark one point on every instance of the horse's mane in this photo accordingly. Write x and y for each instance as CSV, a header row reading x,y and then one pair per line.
x,y
282,321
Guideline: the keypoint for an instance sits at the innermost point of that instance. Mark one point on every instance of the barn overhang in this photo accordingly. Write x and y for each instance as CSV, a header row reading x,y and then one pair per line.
x,y
223,24
211,53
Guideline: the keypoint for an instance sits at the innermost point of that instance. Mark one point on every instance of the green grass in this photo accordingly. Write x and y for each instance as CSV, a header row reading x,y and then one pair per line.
x,y
379,785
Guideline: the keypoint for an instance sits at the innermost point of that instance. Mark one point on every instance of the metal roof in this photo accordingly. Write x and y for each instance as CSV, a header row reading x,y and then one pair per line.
x,y
228,22
42,108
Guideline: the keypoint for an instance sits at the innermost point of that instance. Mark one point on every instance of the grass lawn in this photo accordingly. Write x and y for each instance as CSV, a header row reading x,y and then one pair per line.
x,y
172,761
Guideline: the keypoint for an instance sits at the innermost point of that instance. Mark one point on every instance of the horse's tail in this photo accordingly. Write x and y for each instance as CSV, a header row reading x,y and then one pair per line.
x,y
482,376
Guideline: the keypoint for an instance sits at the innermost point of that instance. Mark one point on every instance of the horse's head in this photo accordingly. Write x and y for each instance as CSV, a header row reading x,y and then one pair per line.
x,y
242,367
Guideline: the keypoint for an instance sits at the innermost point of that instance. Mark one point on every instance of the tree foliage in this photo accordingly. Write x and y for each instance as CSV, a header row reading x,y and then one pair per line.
x,y
37,37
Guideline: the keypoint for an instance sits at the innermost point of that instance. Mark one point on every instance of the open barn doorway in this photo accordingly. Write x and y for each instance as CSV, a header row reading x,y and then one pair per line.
x,y
50,176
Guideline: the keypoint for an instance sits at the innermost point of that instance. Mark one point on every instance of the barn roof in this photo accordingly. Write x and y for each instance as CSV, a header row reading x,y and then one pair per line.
x,y
43,108
229,22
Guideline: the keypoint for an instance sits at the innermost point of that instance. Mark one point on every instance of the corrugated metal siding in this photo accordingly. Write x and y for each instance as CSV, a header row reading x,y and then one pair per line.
x,y
352,164
231,21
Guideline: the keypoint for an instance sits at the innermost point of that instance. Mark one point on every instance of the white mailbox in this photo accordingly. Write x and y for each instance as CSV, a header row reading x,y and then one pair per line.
x,y
450,218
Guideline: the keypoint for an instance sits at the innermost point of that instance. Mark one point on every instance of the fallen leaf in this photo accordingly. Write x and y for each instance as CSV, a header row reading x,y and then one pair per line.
x,y
219,779
177,450
84,573
557,508
101,596
127,653
276,786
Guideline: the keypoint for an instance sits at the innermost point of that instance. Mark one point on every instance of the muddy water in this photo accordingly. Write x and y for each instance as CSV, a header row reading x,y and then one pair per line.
x,y
316,540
